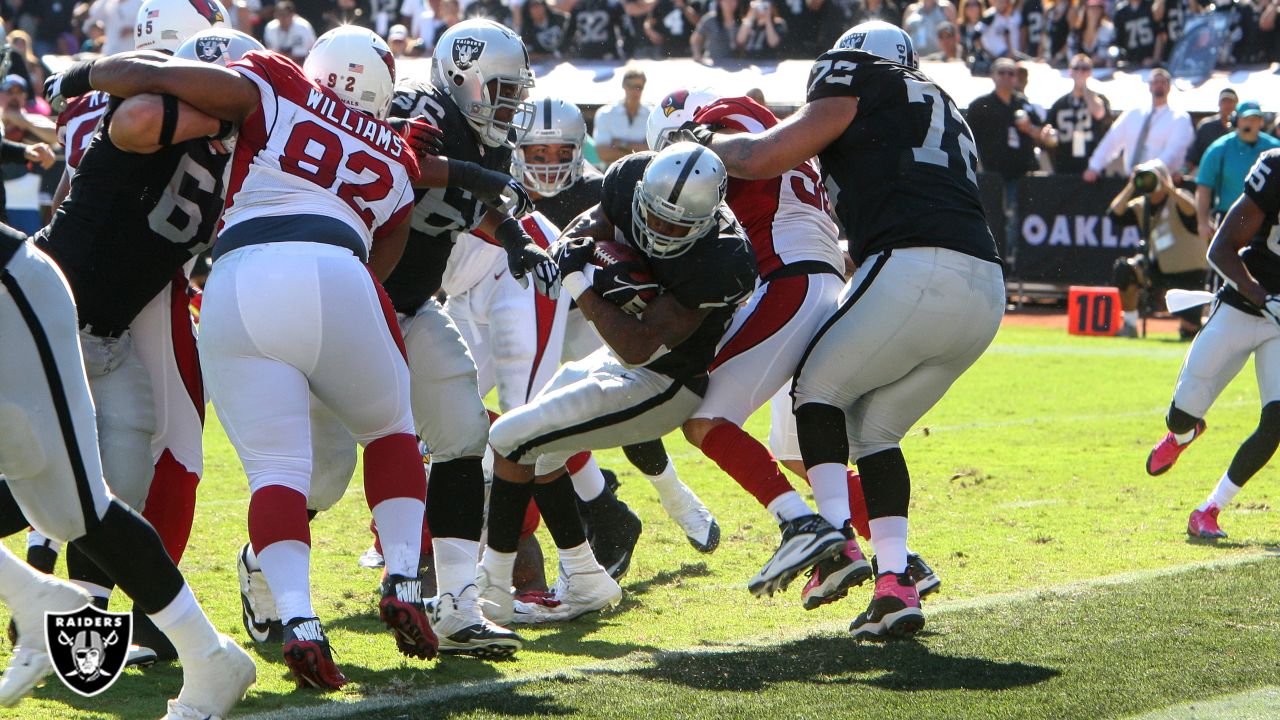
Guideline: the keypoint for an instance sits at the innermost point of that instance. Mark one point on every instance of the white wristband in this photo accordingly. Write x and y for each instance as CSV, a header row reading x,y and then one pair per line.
x,y
576,283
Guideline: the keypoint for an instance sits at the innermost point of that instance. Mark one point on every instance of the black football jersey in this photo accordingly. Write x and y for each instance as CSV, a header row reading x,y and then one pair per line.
x,y
1136,30
440,213
574,200
130,221
1262,255
1078,132
597,29
718,272
904,173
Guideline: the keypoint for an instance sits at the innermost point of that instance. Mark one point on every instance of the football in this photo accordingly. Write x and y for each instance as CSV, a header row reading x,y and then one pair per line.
x,y
622,276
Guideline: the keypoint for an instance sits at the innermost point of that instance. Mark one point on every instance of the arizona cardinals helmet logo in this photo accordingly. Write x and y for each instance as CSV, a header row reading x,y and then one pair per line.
x,y
675,101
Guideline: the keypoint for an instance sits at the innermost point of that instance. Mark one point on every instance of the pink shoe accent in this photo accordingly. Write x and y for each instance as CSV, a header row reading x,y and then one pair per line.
x,y
892,585
1166,452
1204,523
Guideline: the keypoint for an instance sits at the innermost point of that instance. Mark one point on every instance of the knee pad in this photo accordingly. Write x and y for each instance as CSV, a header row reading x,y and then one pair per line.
x,y
821,429
649,458
1181,422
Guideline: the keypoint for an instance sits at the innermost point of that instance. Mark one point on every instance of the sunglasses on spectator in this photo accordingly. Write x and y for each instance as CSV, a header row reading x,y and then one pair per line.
x,y
1081,67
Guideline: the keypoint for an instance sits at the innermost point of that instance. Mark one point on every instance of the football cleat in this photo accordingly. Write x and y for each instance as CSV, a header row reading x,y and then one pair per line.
x,y
926,580
258,613
1203,524
213,684
307,653
30,661
496,602
371,559
894,611
463,630
140,656
1166,452
402,610
612,530
831,579
806,541
697,522
575,595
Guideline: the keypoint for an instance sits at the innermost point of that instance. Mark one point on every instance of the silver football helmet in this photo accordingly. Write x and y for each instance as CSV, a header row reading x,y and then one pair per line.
x,y
555,122
881,39
681,192
218,46
676,109
484,67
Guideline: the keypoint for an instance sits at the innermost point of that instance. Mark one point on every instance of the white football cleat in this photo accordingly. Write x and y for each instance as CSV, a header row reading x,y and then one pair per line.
x,y
258,610
140,657
463,630
578,595
213,684
693,517
372,559
30,662
496,601
805,541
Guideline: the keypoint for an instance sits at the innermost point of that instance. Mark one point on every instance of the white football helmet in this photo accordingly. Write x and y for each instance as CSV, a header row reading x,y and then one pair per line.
x,y
484,67
165,24
218,46
683,187
555,122
882,39
357,65
676,109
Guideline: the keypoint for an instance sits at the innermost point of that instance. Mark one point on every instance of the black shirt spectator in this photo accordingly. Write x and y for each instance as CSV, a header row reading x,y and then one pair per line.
x,y
1004,125
544,30
598,29
1079,119
1034,19
55,19
762,32
1138,34
809,33
1212,127
669,26
1058,18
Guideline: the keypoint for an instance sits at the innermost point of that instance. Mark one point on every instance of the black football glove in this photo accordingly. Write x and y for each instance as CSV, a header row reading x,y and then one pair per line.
x,y
617,286
525,257
496,189
572,255
71,83
693,132
421,136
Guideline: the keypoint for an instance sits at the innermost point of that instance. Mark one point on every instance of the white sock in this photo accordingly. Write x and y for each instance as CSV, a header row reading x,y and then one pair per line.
x,y
789,506
399,521
287,566
35,539
97,591
889,539
830,483
1184,438
1130,317
588,482
456,560
499,566
1223,494
578,559
666,481
185,624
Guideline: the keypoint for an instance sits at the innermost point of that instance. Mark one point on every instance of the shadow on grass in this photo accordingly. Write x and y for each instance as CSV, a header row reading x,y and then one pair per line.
x,y
1269,546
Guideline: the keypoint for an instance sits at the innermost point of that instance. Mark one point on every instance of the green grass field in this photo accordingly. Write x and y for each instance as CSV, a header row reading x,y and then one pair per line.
x,y
1070,589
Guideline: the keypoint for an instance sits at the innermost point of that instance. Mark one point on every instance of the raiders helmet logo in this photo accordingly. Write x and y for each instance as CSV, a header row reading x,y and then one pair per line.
x,y
208,10
854,41
211,48
466,51
88,647
675,101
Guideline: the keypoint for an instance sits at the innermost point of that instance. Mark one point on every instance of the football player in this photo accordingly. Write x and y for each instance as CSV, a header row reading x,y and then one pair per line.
x,y
900,166
651,374
1244,321
49,453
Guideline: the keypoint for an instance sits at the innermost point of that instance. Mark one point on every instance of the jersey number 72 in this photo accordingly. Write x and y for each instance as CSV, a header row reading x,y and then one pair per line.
x,y
949,141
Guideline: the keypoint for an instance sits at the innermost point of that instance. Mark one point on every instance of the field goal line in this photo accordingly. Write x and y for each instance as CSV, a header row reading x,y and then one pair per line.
x,y
639,660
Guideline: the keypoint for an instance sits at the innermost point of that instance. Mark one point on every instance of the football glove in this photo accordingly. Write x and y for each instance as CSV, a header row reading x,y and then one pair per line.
x,y
694,132
572,255
616,285
421,136
496,189
71,83
1271,308
524,257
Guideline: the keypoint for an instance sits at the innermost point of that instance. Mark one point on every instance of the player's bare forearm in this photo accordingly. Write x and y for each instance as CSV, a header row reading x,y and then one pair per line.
x,y
137,124
1237,229
637,340
768,154
215,90
386,251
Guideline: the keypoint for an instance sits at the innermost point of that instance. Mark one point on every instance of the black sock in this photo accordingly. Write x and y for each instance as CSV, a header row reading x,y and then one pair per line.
x,y
886,484
559,506
1180,422
822,434
42,557
129,550
455,499
11,518
508,503
81,568
1257,449
649,457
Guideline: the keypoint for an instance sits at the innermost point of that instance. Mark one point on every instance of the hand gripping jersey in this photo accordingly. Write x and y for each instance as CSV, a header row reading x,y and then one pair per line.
x,y
76,125
904,173
1262,255
440,213
304,152
718,272
786,218
130,221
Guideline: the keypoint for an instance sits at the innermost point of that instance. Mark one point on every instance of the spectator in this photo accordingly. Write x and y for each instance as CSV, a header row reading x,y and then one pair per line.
x,y
1006,128
1060,17
118,18
495,10
869,10
398,41
1212,128
761,31
1172,15
1172,255
971,29
544,30
1077,121
1142,134
948,40
20,43
383,15
620,127
1226,164
19,124
450,14
1033,29
715,39
597,28
55,20
245,15
810,29
290,33
669,26
922,20
1096,36
1002,30
1141,39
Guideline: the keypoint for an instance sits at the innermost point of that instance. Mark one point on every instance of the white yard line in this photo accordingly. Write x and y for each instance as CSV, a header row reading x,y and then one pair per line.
x,y
1261,704
640,659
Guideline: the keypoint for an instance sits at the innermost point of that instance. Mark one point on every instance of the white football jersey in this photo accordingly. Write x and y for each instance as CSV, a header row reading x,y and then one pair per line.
x,y
473,258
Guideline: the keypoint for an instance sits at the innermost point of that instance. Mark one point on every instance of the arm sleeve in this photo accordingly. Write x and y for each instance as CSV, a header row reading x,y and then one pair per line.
x,y
12,152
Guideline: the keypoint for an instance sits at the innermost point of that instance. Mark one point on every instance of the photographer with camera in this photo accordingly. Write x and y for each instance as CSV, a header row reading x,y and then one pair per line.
x,y
761,31
1226,163
1173,254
